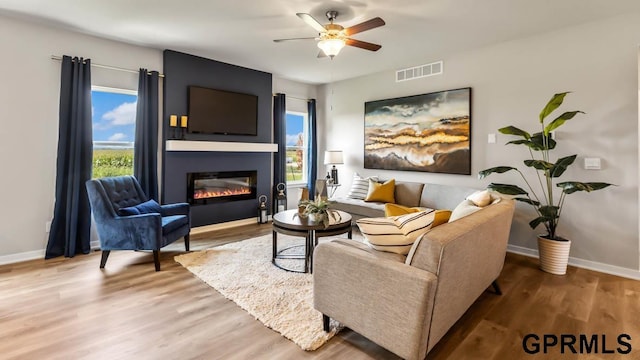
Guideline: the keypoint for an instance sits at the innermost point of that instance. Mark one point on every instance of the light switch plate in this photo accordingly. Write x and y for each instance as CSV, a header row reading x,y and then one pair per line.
x,y
592,164
491,139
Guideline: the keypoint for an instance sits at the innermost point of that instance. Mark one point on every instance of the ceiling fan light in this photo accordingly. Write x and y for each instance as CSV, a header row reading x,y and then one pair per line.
x,y
331,47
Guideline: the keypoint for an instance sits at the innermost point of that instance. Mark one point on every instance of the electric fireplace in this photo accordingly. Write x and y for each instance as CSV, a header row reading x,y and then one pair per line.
x,y
214,187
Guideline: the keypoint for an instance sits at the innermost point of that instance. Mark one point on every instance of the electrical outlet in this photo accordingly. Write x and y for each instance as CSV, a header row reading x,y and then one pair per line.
x,y
491,139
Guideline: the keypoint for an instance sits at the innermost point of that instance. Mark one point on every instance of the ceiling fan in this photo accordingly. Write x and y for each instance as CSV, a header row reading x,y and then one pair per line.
x,y
333,37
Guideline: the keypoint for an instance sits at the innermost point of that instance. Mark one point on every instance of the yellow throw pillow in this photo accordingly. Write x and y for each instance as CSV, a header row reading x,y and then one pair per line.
x,y
441,217
381,192
391,209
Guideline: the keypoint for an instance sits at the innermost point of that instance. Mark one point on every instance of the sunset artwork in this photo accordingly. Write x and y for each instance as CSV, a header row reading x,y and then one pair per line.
x,y
428,132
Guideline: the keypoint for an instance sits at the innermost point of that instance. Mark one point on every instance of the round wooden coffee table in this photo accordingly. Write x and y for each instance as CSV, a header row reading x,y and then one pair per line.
x,y
289,223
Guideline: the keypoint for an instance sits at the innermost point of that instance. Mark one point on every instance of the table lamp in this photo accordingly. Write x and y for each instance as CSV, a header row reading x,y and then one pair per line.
x,y
333,157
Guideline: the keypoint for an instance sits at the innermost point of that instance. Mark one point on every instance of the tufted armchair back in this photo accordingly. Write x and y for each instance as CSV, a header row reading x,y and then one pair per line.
x,y
122,191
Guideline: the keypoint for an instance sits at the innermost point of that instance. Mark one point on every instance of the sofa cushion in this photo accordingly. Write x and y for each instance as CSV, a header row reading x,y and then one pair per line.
x,y
408,193
359,207
147,207
381,192
396,234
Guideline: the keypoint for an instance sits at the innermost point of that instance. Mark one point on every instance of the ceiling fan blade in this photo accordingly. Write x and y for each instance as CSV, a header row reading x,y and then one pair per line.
x,y
363,44
312,22
364,26
301,38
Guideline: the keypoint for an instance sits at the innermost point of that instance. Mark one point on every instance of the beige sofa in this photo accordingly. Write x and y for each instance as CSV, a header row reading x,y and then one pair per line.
x,y
408,306
433,196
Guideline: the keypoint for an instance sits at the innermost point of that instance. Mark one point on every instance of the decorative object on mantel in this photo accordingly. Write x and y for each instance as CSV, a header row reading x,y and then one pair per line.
x,y
262,209
173,125
183,126
553,249
333,157
428,132
280,201
254,288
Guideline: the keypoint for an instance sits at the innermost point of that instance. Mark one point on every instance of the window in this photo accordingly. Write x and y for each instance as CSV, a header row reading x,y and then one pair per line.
x,y
114,120
297,134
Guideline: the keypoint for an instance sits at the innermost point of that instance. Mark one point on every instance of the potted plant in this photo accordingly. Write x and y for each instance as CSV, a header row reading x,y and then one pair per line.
x,y
318,211
553,249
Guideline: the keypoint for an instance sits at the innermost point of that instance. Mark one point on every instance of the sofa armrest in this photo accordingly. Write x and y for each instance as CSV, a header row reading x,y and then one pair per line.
x,y
385,300
175,209
135,232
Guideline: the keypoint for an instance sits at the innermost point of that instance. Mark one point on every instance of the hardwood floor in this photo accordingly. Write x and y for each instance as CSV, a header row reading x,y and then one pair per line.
x,y
70,309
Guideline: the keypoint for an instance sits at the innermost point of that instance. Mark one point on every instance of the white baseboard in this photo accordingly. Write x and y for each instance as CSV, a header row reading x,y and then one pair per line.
x,y
581,263
20,257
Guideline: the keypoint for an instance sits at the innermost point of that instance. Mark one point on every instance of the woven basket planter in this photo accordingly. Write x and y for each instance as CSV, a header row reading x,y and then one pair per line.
x,y
554,255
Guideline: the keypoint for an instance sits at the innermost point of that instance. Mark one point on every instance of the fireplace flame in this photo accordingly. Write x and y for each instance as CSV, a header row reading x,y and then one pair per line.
x,y
213,193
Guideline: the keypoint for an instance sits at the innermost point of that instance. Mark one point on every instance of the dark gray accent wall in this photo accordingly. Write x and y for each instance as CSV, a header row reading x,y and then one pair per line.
x,y
182,70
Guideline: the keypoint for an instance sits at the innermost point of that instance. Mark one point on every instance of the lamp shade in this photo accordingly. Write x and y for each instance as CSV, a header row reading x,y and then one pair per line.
x,y
331,47
332,157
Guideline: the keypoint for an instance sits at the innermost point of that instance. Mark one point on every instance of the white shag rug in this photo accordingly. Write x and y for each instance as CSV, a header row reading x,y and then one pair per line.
x,y
281,300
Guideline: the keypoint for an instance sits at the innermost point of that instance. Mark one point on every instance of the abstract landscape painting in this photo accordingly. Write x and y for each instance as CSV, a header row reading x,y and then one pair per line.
x,y
428,132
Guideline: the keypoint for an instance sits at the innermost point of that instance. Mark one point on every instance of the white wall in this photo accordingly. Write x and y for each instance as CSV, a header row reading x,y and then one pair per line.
x,y
29,95
511,82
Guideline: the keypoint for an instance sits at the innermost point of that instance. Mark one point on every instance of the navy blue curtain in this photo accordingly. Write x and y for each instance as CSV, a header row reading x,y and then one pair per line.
x,y
145,157
312,150
280,138
71,224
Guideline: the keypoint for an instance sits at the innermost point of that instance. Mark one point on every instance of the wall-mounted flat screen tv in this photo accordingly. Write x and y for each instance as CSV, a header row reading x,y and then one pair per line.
x,y
214,111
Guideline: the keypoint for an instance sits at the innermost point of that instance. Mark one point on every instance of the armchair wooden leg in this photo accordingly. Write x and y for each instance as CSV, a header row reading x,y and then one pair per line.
x,y
496,288
103,260
156,259
186,242
325,323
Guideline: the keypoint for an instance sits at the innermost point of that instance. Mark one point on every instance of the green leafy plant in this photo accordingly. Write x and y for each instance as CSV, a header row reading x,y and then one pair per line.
x,y
320,209
540,144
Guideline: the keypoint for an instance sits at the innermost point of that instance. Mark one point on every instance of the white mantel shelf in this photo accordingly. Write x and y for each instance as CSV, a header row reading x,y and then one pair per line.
x,y
222,146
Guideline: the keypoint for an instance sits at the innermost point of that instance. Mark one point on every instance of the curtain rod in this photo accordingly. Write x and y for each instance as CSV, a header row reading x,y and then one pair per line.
x,y
54,57
293,97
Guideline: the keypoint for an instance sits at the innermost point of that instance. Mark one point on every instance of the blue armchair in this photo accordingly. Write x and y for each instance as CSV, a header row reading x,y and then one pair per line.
x,y
127,220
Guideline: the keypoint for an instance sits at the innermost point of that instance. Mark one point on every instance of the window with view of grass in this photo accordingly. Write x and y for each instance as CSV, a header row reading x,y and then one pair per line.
x,y
296,126
114,118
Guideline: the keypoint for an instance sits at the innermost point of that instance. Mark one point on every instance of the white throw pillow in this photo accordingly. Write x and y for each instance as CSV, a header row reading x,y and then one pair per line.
x,y
395,234
480,198
465,208
360,186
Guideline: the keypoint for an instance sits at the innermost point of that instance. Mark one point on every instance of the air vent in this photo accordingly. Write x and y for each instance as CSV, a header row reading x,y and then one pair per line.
x,y
419,71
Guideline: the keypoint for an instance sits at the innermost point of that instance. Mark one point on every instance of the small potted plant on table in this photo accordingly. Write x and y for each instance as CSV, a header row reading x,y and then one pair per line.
x,y
318,211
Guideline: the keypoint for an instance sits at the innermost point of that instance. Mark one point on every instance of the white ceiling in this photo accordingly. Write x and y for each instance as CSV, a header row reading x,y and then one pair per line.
x,y
241,31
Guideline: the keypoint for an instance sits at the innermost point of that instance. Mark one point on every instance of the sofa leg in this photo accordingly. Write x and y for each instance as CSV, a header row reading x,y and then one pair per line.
x,y
186,242
103,260
156,259
496,287
325,323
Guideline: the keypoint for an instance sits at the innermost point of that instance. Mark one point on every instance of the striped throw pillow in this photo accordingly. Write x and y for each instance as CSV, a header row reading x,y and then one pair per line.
x,y
360,186
396,234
